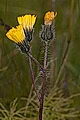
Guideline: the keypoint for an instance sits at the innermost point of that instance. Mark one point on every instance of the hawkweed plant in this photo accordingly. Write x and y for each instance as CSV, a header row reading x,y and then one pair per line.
x,y
22,36
48,106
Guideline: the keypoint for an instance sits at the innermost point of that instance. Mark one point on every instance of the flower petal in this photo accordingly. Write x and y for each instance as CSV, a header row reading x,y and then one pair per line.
x,y
27,21
16,34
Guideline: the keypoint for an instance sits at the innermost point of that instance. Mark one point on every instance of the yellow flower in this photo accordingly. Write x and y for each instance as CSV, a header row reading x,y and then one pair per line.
x,y
49,17
27,21
16,34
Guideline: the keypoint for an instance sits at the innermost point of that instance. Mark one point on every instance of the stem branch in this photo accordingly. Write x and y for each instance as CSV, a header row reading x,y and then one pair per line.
x,y
33,78
35,61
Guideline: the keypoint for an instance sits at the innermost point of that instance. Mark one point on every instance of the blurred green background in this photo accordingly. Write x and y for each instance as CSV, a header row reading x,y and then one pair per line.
x,y
15,79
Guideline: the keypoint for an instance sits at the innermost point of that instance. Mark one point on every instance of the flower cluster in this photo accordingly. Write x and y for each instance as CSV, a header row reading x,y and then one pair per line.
x,y
22,34
47,32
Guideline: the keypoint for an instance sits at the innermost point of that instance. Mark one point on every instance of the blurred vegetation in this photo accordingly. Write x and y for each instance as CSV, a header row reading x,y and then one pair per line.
x,y
67,28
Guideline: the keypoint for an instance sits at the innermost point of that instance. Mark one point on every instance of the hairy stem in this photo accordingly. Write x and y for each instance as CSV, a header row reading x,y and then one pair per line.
x,y
46,53
43,83
33,77
35,61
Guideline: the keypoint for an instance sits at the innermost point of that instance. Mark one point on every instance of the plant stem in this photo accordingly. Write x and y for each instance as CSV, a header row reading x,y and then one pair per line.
x,y
35,61
43,83
41,103
46,53
43,69
33,78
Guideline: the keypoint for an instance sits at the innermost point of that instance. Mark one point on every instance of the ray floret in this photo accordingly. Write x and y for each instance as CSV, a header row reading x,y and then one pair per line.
x,y
27,21
16,34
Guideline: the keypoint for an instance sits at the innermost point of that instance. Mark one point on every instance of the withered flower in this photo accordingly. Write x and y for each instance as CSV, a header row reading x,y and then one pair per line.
x,y
49,17
47,31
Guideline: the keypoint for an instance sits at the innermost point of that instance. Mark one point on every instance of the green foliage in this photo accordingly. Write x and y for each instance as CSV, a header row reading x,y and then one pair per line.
x,y
23,113
56,107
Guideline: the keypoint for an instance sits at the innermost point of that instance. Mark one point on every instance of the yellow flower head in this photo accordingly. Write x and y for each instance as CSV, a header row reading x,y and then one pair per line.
x,y
16,34
27,21
49,17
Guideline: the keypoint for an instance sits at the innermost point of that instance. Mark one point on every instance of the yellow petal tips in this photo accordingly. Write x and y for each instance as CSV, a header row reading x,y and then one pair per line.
x,y
27,21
